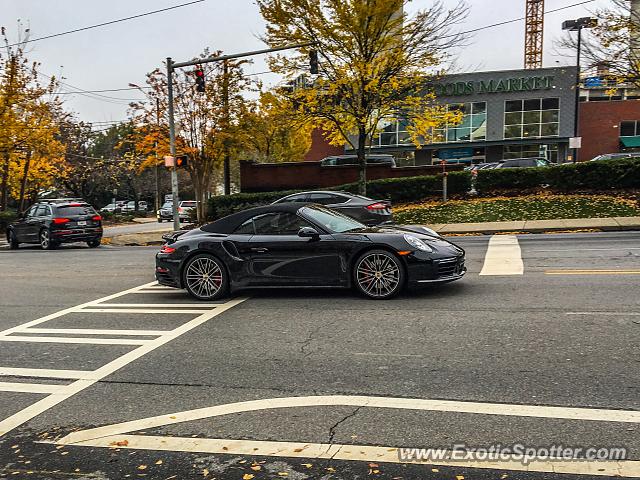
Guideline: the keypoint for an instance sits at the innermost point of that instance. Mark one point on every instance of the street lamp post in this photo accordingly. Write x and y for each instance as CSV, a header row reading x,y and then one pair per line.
x,y
577,26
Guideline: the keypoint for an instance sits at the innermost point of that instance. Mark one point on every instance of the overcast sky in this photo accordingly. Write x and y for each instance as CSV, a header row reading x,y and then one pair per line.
x,y
119,54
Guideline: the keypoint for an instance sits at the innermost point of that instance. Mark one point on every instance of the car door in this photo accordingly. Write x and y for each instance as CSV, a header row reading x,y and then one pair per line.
x,y
20,227
279,257
35,222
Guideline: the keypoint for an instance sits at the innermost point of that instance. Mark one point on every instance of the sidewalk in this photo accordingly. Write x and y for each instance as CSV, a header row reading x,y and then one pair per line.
x,y
541,226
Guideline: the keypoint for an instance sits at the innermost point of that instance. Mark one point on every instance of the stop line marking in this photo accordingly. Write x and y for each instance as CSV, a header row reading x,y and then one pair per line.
x,y
84,379
503,256
120,435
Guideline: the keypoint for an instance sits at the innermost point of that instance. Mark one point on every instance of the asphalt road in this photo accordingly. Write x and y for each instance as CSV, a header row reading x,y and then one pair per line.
x,y
146,227
354,378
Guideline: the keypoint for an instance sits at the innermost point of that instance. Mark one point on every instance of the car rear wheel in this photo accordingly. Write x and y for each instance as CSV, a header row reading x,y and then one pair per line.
x,y
205,277
94,243
13,241
45,240
378,274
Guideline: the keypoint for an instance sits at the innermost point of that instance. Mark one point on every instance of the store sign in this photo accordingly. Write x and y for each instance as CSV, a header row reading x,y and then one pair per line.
x,y
455,153
505,85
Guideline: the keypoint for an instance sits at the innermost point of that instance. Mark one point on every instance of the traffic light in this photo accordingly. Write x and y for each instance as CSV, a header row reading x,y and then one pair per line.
x,y
313,62
199,73
182,161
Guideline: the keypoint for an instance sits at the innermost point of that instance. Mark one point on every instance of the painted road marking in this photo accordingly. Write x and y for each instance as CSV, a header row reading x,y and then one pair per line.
x,y
107,436
175,290
87,331
503,256
621,250
363,453
43,373
501,409
134,310
29,387
606,314
90,341
592,272
86,379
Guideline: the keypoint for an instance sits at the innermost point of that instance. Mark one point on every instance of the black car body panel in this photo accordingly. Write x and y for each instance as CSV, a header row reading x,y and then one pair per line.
x,y
64,221
285,259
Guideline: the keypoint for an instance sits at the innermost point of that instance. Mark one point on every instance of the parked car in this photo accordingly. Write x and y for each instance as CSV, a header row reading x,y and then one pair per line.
x,y
524,163
111,208
482,166
615,156
363,209
130,206
338,160
185,209
165,212
53,222
303,245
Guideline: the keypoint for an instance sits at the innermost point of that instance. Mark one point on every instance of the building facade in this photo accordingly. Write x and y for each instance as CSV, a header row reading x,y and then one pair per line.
x,y
506,114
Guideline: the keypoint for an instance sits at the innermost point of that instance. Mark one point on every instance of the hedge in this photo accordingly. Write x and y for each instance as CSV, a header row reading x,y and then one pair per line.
x,y
397,190
6,218
597,176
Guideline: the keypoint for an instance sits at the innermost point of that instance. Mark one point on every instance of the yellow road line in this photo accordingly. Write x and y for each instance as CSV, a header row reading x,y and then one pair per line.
x,y
592,272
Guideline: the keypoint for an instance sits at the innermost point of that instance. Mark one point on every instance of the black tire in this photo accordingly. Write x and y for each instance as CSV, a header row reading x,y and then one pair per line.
x,y
94,243
45,240
205,277
378,274
159,220
13,242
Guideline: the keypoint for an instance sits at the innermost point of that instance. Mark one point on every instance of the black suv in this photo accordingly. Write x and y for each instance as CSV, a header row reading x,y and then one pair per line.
x,y
53,222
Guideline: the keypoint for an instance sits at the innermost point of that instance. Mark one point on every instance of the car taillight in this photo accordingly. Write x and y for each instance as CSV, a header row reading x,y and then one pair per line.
x,y
96,218
180,210
60,221
376,206
167,249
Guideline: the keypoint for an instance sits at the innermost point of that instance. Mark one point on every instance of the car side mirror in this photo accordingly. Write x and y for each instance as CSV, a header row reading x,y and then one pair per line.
x,y
308,232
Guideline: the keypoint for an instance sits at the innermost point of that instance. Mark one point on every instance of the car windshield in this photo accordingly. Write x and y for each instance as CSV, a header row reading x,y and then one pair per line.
x,y
188,204
167,205
332,221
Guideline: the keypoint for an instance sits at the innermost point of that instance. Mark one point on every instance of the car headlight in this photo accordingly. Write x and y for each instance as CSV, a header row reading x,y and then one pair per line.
x,y
415,242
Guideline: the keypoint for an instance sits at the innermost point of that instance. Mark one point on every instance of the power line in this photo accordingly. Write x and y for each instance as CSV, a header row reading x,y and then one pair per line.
x,y
106,23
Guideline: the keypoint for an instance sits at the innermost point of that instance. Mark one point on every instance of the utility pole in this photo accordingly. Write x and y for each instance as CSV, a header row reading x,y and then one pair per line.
x,y
227,123
157,170
172,146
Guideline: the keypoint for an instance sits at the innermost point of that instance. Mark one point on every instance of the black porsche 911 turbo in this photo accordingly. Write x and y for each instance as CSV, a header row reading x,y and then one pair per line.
x,y
304,245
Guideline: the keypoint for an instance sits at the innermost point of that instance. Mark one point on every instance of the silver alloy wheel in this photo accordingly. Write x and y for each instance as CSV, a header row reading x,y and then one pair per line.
x,y
378,275
45,241
204,277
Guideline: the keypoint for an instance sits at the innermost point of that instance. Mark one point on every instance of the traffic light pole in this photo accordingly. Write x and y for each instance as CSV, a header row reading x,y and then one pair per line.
x,y
171,66
172,146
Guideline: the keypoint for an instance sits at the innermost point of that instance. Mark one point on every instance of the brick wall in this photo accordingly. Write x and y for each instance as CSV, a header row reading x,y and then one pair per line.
x,y
600,126
321,148
264,177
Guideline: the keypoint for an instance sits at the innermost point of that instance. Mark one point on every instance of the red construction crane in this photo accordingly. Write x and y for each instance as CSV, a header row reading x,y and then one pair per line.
x,y
534,34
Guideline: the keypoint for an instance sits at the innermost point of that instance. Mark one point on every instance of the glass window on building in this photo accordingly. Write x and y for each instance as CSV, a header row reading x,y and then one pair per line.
x,y
530,151
531,118
630,128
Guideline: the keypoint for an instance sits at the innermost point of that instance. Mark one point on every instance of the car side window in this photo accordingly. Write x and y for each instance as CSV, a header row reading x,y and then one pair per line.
x,y
47,211
42,211
246,228
324,198
32,211
280,223
295,198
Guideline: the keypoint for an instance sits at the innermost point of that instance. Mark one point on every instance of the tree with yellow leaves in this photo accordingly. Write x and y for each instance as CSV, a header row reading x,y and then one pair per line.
x,y
31,156
271,132
376,63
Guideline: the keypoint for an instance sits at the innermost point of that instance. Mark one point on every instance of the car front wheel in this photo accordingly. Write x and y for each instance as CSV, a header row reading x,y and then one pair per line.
x,y
94,243
378,274
13,241
205,277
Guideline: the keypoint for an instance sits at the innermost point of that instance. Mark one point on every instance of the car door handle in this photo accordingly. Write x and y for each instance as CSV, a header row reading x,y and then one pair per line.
x,y
260,250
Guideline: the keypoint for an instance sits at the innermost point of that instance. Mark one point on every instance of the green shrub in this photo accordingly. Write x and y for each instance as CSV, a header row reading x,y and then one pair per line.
x,y
6,218
489,181
594,176
398,190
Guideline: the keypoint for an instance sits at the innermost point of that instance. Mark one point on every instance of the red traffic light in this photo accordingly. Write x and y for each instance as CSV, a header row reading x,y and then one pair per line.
x,y
199,73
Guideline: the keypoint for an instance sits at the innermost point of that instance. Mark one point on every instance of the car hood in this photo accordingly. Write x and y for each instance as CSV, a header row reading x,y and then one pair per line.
x,y
380,233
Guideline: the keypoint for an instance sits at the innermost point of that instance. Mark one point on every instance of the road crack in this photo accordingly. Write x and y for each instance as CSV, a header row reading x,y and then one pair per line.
x,y
332,430
311,335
